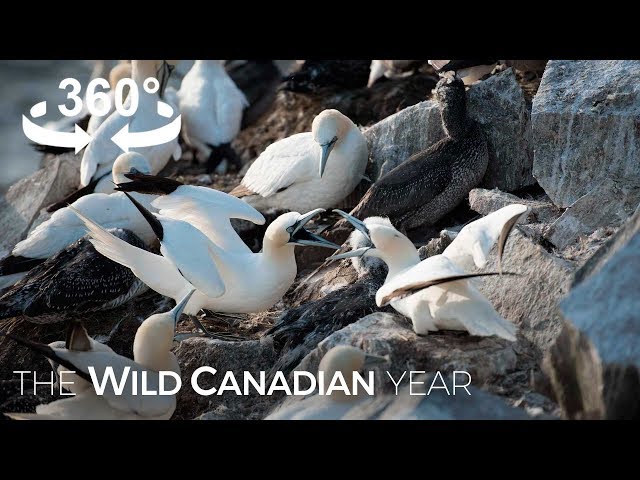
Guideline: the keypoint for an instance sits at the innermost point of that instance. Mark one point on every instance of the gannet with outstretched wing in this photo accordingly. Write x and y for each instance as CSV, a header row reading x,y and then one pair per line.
x,y
436,293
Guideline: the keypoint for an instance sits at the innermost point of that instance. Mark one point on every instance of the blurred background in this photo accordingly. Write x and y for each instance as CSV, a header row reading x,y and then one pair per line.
x,y
25,83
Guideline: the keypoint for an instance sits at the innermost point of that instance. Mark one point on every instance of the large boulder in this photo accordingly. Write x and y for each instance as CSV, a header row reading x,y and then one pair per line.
x,y
598,357
497,104
23,201
585,120
609,204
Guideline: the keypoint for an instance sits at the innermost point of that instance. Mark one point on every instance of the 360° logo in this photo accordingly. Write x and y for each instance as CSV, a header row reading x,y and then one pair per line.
x,y
99,104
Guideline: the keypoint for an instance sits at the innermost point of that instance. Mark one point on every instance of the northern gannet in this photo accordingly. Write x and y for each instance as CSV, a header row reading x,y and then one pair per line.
x,y
428,185
151,354
117,73
308,170
207,209
211,105
343,359
244,282
390,68
469,70
101,152
75,280
64,227
436,293
315,75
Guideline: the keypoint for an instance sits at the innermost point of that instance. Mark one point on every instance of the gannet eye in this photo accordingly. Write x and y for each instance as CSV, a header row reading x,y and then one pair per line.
x,y
290,229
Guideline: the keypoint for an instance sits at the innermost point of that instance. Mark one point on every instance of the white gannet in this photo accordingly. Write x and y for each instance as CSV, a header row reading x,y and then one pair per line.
x,y
389,69
64,227
207,209
101,152
436,293
470,71
117,73
75,280
308,170
151,354
252,282
211,105
346,360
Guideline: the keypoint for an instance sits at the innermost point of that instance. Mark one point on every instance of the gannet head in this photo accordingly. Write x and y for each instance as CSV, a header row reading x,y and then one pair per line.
x,y
346,360
288,228
154,339
130,162
328,128
376,71
387,243
452,101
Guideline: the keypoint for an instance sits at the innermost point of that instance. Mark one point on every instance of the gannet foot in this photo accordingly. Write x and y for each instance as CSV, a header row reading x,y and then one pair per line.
x,y
221,152
206,333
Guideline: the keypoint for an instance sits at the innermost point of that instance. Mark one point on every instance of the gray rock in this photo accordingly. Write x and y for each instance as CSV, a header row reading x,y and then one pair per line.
x,y
391,334
585,126
497,103
486,201
608,204
24,200
529,299
252,356
595,364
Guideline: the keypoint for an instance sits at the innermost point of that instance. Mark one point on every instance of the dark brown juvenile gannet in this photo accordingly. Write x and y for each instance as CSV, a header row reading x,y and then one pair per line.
x,y
431,183
77,279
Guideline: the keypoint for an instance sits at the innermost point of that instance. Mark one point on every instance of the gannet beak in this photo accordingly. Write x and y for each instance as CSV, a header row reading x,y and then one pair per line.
x,y
164,73
179,308
301,236
326,150
358,225
358,252
371,360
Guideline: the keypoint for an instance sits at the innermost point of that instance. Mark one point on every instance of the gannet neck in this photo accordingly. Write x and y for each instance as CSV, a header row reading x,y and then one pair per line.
x,y
452,100
153,342
276,252
400,260
142,69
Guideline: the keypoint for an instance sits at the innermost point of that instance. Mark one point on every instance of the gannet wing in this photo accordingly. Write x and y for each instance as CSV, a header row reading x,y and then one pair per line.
x,y
472,245
193,254
426,273
291,160
158,272
64,227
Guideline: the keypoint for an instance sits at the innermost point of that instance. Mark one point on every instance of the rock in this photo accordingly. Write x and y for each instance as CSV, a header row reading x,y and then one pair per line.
x,y
23,201
597,360
529,299
391,334
479,405
252,356
609,204
585,127
497,103
486,201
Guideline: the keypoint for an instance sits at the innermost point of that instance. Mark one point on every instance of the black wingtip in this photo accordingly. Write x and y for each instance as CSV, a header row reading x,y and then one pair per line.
x,y
18,264
156,226
151,184
48,352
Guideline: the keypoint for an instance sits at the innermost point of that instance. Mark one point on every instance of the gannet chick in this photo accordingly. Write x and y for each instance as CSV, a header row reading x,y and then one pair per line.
x,y
253,282
308,170
431,183
390,69
470,71
75,280
313,76
436,293
117,73
151,354
101,152
207,209
211,105
343,359
64,227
